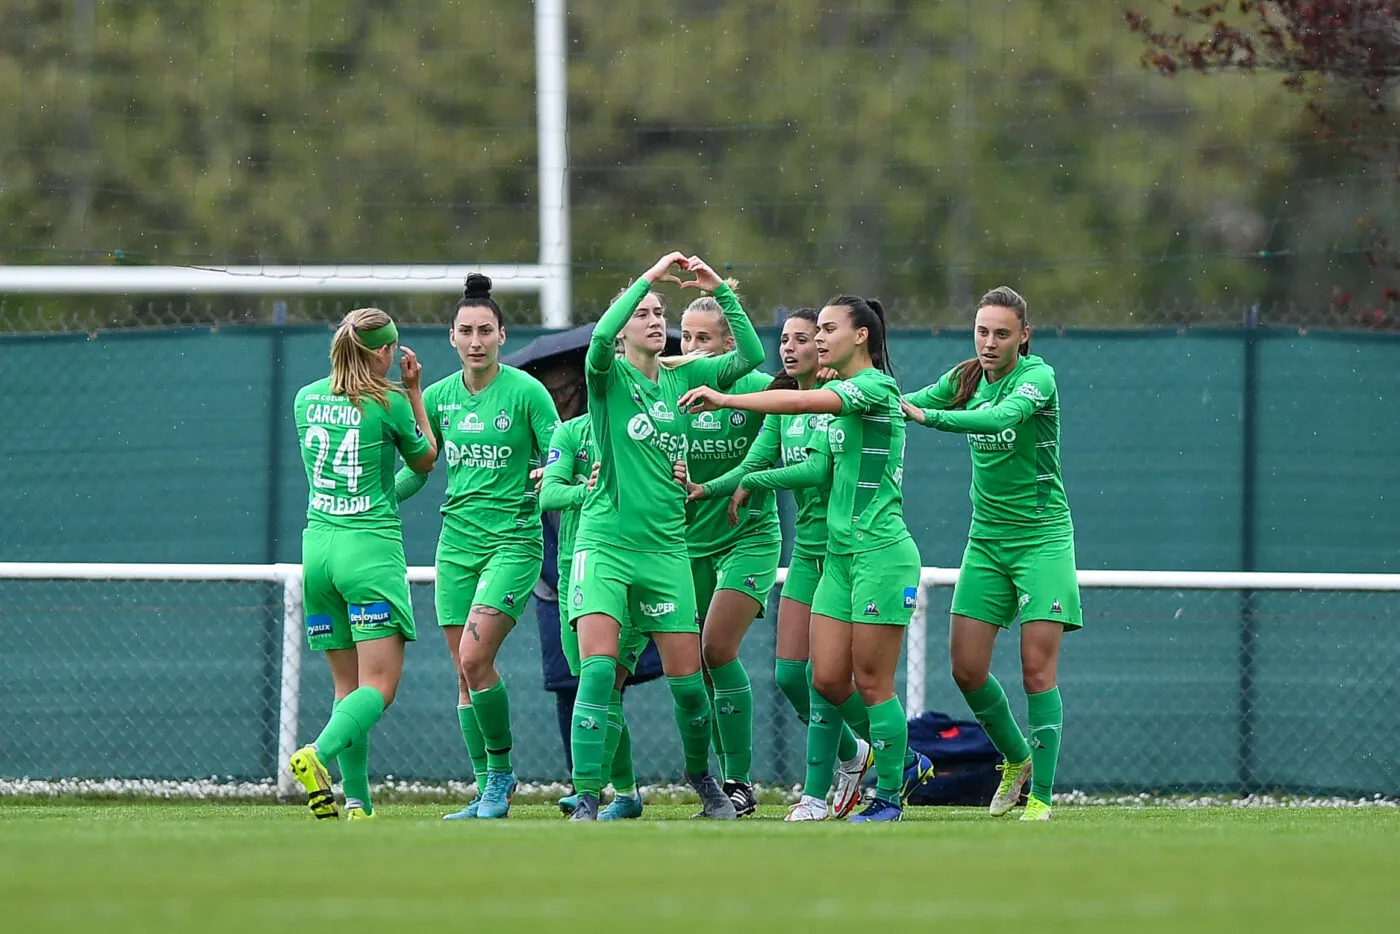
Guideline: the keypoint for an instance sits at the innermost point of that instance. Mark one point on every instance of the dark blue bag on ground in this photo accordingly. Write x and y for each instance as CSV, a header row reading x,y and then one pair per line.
x,y
963,758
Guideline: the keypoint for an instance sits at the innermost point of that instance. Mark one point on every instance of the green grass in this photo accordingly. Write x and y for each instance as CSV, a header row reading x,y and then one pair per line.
x,y
177,867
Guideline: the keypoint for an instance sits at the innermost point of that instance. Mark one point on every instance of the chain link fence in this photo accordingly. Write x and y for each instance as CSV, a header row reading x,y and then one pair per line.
x,y
1166,690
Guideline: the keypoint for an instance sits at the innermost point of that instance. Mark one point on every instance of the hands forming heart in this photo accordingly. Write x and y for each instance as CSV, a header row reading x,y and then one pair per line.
x,y
705,277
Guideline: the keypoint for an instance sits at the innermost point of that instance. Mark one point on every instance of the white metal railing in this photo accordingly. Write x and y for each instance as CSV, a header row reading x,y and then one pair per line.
x,y
916,640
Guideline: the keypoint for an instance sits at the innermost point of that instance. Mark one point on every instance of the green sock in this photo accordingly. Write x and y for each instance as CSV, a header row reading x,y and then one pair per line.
x,y
613,736
824,731
351,719
691,705
492,708
734,714
354,772
989,706
795,682
853,712
846,750
590,730
716,741
1045,713
475,742
624,778
889,737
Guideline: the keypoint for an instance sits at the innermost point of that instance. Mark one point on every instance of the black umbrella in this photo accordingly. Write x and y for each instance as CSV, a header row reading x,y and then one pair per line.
x,y
561,346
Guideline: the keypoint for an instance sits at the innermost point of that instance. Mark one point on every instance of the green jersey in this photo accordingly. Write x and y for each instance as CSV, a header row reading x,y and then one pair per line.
x,y
1013,432
491,440
715,443
791,438
866,509
566,471
348,452
640,431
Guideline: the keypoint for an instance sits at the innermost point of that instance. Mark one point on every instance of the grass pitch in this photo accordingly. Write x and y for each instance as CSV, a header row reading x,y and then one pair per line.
x,y
103,867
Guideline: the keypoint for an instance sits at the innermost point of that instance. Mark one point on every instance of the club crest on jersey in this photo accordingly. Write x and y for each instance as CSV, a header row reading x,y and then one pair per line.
x,y
503,421
471,422
706,421
871,609
737,418
661,413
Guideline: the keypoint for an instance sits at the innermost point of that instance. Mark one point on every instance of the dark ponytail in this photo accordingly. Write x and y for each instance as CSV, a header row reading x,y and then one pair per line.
x,y
477,294
970,371
783,380
868,313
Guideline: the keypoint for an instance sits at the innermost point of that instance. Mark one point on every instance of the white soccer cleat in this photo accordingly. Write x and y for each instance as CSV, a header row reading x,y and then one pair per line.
x,y
849,775
1014,776
808,808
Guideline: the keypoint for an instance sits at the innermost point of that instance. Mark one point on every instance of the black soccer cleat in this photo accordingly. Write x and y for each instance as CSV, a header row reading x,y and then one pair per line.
x,y
741,794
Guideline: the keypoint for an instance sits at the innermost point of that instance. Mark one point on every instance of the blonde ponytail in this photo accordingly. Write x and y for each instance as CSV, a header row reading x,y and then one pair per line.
x,y
353,371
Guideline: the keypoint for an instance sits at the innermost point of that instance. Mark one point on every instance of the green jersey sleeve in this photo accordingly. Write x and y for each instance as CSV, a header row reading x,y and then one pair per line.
x,y
724,371
409,481
602,345
1029,392
558,491
939,395
812,472
762,455
866,508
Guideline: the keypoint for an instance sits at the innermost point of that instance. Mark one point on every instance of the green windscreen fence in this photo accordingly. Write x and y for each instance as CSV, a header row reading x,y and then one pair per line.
x,y
1182,451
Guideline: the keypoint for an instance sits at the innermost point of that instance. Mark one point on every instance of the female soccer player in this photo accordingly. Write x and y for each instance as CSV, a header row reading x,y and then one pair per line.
x,y
788,437
868,586
630,572
494,422
355,585
733,566
1020,550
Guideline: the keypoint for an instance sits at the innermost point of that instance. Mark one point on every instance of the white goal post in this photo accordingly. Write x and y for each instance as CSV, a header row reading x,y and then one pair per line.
x,y
289,578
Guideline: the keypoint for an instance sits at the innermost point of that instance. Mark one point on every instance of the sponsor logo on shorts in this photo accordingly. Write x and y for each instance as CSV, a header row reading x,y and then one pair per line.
x,y
553,458
632,656
371,615
510,599
1055,607
588,723
749,583
1021,603
417,432
640,428
503,421
911,597
319,625
471,422
654,610
706,421
871,609
738,418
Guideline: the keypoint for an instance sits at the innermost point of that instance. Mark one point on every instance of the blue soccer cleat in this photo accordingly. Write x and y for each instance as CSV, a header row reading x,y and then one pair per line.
x,y
915,775
495,800
623,807
878,810
568,804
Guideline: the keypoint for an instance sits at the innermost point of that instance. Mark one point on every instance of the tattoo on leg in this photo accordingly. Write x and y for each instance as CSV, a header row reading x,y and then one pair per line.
x,y
471,628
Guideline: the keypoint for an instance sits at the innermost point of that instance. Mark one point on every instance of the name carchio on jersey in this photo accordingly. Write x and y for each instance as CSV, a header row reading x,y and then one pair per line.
x,y
345,414
491,456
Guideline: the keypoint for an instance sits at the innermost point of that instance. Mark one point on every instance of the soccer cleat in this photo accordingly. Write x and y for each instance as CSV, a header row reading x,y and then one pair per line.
x,y
1014,776
623,807
714,803
915,775
1036,809
357,814
568,803
741,794
586,809
849,775
468,812
306,767
809,808
878,811
495,800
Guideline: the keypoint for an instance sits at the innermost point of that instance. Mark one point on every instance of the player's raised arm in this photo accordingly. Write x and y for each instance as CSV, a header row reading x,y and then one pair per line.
x,y
602,345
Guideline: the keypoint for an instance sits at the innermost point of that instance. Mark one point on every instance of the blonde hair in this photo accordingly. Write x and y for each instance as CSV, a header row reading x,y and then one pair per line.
x,y
709,305
353,364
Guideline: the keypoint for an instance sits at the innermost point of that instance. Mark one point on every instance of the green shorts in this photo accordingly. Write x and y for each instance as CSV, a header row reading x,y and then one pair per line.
x,y
628,652
750,567
502,579
354,587
804,571
870,587
999,582
645,593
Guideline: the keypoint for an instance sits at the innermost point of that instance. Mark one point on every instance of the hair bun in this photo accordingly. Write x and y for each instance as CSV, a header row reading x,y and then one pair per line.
x,y
478,286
